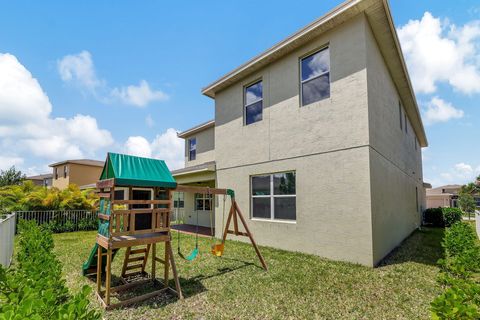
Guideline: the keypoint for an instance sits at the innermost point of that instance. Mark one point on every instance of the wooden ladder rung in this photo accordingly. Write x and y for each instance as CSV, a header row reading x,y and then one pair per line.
x,y
135,266
137,251
135,259
132,274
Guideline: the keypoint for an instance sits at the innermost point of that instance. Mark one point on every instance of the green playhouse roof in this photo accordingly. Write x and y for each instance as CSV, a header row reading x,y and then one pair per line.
x,y
136,171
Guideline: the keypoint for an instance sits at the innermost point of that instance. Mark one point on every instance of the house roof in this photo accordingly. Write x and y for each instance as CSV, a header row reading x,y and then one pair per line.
x,y
196,129
381,22
440,190
207,166
137,171
40,176
85,162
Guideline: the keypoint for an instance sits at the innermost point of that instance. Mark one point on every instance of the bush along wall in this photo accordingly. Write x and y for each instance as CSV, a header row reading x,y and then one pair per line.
x,y
34,287
441,217
460,275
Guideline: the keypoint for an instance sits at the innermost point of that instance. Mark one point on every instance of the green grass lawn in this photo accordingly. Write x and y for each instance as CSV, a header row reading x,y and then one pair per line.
x,y
297,286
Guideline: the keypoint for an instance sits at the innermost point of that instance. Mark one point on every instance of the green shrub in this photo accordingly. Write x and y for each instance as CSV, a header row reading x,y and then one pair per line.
x,y
460,275
441,217
451,215
35,289
433,217
459,301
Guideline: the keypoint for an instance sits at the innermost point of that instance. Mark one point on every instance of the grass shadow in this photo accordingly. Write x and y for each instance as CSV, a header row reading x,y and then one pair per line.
x,y
422,246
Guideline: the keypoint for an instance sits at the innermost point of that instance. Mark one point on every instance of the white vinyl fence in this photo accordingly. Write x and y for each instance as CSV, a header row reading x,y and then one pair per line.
x,y
7,234
68,220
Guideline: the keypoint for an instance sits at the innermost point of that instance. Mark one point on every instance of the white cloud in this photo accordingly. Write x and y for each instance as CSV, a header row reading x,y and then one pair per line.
x,y
138,146
459,173
7,162
26,125
79,69
149,121
166,146
138,96
439,51
438,110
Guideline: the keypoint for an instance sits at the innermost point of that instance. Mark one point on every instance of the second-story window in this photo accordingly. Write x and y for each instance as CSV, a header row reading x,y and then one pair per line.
x,y
253,102
65,171
315,77
192,148
55,171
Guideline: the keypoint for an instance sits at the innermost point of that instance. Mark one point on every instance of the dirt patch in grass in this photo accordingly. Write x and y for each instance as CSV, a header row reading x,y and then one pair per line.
x,y
297,286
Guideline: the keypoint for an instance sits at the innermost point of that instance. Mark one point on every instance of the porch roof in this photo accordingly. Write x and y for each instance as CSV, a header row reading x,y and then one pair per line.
x,y
204,167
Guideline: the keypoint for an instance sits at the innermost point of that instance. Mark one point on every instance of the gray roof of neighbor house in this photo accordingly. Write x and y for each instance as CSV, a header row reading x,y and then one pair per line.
x,y
86,162
41,176
443,189
381,22
197,128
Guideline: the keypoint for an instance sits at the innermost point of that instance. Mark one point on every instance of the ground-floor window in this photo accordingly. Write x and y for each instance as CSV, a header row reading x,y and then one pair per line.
x,y
178,200
273,196
203,201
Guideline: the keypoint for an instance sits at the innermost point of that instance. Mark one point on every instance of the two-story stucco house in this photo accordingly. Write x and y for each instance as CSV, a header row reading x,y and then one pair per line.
x,y
82,172
320,136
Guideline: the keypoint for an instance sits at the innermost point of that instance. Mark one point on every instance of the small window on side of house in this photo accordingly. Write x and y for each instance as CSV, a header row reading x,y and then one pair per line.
x,y
253,103
315,77
55,171
192,149
65,171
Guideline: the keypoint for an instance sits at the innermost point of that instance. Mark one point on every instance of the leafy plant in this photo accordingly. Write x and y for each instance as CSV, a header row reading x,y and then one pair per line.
x,y
441,217
35,289
459,276
11,177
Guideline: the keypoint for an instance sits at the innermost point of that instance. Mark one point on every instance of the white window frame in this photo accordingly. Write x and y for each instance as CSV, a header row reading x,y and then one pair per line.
x,y
245,105
326,47
203,197
272,197
188,148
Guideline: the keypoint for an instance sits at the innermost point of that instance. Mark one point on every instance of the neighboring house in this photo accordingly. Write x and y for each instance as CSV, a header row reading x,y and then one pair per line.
x,y
446,196
320,137
44,180
81,172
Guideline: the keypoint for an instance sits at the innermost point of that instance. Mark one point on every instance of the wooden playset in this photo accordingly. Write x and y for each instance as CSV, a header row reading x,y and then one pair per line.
x,y
139,225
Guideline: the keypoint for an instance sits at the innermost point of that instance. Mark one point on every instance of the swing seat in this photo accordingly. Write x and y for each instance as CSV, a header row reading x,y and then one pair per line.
x,y
192,255
217,249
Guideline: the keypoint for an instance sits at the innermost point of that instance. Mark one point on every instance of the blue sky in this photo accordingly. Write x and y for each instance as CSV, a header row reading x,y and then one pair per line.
x,y
133,70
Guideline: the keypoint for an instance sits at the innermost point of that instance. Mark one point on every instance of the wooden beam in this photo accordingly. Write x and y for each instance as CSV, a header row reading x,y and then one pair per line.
x,y
108,276
108,183
103,216
136,299
141,202
174,269
260,257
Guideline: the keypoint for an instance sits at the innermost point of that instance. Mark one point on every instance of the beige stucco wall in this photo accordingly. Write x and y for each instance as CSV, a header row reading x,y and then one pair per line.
x,y
438,201
396,167
205,147
60,183
333,209
326,143
77,174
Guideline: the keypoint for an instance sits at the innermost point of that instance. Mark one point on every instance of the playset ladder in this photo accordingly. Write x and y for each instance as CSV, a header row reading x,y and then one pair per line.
x,y
135,259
